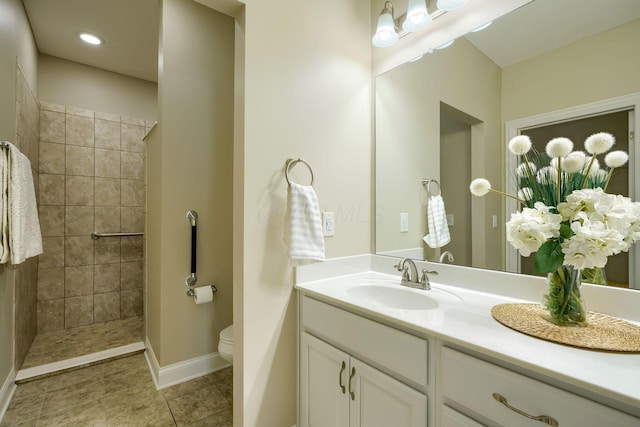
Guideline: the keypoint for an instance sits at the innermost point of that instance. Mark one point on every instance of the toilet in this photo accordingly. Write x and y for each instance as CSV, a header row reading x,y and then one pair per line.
x,y
225,345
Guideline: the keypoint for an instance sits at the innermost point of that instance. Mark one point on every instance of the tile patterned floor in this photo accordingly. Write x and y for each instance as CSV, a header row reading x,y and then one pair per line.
x,y
121,393
54,346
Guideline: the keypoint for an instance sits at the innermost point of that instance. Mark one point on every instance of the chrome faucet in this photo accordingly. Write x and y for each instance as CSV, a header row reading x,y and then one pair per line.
x,y
448,255
410,275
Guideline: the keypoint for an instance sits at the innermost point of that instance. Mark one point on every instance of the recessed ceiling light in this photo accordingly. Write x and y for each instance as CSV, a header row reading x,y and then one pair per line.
x,y
90,39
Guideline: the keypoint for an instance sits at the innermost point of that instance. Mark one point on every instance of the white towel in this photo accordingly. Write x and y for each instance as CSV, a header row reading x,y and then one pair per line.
x,y
4,206
25,239
437,220
304,226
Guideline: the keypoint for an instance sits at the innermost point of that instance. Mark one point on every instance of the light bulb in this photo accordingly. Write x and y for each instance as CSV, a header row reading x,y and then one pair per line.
x,y
449,5
386,34
417,16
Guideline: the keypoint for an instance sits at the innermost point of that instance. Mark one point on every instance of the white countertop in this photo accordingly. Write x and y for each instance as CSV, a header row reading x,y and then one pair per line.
x,y
612,378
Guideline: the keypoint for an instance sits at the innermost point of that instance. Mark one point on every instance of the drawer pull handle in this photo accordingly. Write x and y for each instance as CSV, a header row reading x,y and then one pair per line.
x,y
353,374
542,418
342,387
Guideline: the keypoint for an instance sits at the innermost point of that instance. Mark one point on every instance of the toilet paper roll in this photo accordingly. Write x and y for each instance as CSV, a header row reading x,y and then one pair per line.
x,y
203,294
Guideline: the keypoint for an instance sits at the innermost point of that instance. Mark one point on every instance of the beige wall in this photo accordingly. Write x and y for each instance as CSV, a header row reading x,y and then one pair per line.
x,y
190,165
308,95
596,68
69,83
408,135
16,45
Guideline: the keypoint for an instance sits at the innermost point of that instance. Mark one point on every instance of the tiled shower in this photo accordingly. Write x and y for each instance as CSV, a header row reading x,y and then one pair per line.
x,y
91,179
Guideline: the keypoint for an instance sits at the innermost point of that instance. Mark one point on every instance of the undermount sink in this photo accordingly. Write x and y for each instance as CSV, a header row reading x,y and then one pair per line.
x,y
393,297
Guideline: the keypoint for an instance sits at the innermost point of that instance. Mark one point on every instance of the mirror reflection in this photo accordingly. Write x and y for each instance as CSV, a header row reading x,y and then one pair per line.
x,y
445,117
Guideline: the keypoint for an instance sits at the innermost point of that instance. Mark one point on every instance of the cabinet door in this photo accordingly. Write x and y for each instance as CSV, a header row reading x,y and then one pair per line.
x,y
323,374
378,400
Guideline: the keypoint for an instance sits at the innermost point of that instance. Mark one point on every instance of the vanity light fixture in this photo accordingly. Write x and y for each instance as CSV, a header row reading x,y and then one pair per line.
x,y
417,16
386,34
91,39
482,27
450,5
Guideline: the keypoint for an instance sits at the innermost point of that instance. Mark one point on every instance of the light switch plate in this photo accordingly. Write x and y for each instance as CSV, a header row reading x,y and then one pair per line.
x,y
404,222
328,224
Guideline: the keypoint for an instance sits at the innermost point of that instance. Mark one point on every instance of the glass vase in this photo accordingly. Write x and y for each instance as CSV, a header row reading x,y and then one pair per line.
x,y
594,275
564,298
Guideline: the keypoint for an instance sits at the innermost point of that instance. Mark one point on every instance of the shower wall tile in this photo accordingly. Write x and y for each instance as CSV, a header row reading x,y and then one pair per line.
x,y
51,189
131,249
80,131
78,250
107,192
106,307
50,315
78,220
132,192
108,116
107,250
132,165
107,163
132,219
132,121
131,137
79,112
78,281
53,252
92,179
130,303
131,275
108,219
50,283
78,311
51,220
52,158
52,126
79,160
106,278
79,191
107,134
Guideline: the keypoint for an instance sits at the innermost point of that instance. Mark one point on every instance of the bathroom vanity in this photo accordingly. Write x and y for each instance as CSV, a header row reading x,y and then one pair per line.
x,y
374,353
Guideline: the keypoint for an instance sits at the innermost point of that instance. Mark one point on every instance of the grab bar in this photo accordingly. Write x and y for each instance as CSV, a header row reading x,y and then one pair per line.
x,y
192,217
96,236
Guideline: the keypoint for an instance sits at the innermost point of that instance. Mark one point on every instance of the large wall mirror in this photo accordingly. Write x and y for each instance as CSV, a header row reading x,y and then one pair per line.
x,y
445,117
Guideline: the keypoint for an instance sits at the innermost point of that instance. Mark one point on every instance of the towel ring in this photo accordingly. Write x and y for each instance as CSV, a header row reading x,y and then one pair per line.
x,y
428,182
291,163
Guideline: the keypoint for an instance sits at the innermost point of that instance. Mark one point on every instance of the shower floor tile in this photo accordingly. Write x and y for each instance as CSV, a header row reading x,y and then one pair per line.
x,y
49,347
121,393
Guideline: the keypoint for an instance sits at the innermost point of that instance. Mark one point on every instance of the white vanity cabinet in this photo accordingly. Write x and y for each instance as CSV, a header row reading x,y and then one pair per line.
x,y
339,385
497,396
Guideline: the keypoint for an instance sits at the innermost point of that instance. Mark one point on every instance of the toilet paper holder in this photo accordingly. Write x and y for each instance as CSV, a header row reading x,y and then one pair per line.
x,y
191,292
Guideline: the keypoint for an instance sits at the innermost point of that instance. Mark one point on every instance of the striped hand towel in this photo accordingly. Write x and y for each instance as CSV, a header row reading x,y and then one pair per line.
x,y
437,220
306,244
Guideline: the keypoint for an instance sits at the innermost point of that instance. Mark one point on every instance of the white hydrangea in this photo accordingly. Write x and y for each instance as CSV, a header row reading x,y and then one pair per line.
x,y
591,245
529,229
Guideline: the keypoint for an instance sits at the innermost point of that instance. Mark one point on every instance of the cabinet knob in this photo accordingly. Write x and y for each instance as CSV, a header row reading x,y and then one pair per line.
x,y
542,418
342,387
353,374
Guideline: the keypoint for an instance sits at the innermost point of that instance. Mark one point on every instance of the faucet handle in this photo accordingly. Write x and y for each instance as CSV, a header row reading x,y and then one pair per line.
x,y
405,271
424,280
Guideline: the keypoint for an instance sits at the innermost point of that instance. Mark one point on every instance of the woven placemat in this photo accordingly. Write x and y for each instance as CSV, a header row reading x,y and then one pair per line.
x,y
602,332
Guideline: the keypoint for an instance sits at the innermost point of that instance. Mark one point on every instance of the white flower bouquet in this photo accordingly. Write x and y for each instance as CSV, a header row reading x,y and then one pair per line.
x,y
567,218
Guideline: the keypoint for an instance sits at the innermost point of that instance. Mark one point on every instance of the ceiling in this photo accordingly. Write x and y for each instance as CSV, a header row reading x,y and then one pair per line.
x,y
544,25
130,30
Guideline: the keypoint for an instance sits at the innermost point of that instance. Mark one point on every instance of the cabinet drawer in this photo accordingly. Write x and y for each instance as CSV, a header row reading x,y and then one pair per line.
x,y
387,348
453,418
470,383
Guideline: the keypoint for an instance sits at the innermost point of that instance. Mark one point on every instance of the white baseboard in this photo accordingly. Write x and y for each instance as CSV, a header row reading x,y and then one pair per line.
x,y
36,371
180,372
6,393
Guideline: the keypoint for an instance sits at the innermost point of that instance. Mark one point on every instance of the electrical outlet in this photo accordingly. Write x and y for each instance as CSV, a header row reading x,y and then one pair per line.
x,y
404,222
328,224
494,221
450,220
